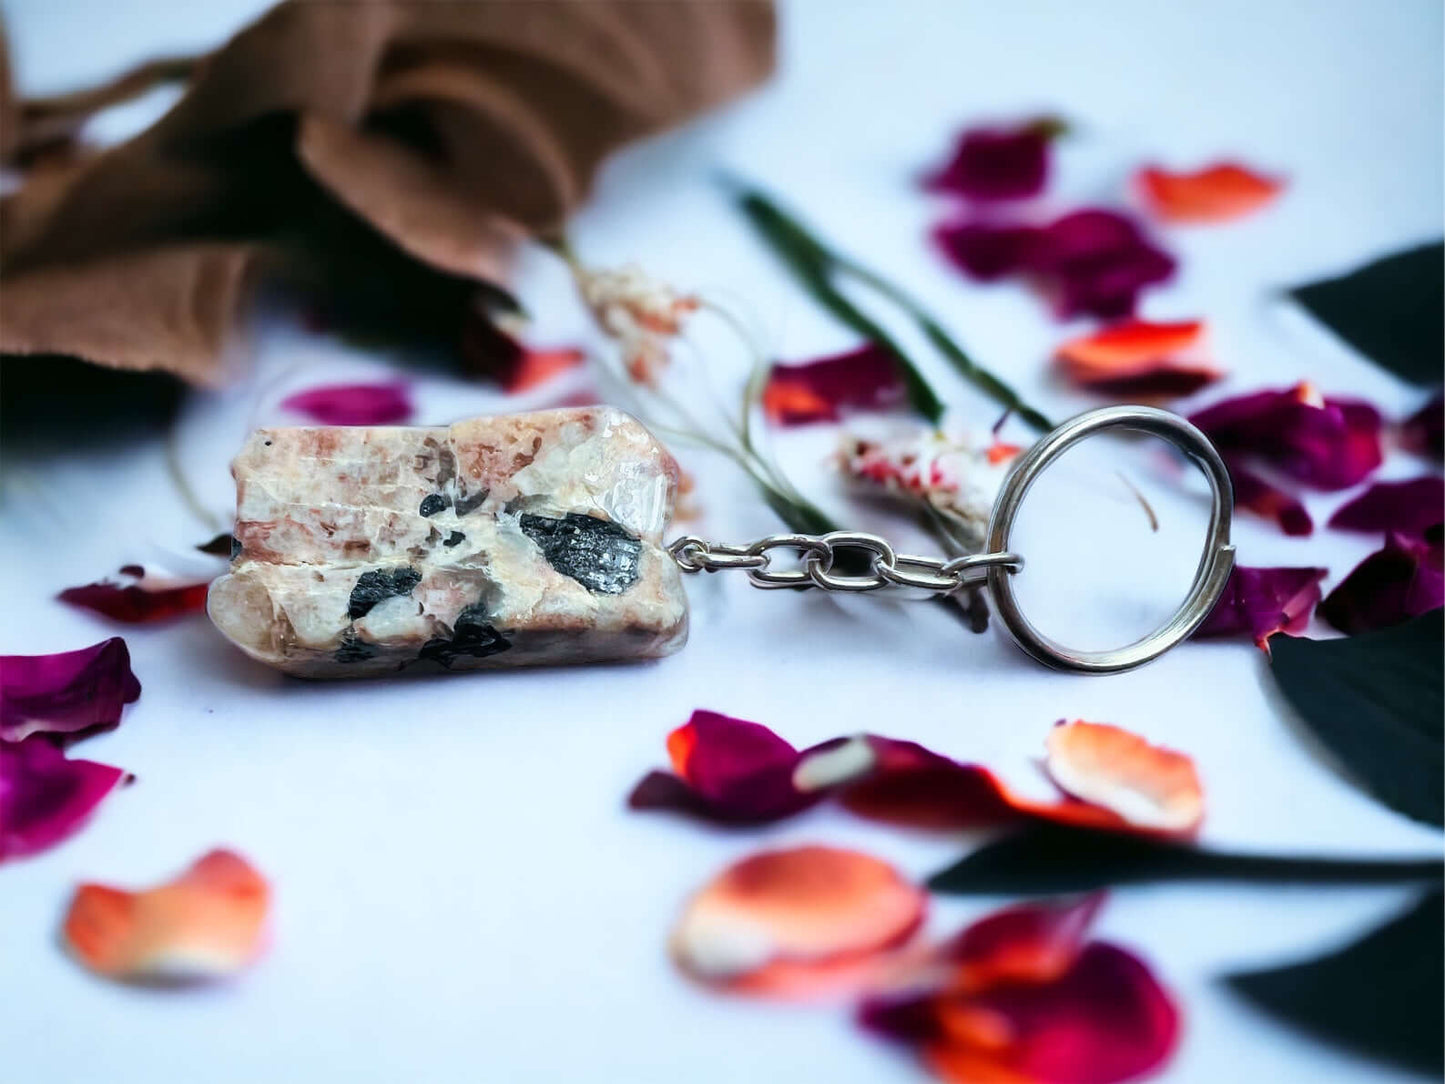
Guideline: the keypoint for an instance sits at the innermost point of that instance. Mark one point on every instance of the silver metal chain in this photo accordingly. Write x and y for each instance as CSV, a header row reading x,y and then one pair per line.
x,y
819,553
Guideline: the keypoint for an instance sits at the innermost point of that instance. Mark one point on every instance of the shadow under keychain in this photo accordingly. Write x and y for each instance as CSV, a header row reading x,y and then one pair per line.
x,y
535,539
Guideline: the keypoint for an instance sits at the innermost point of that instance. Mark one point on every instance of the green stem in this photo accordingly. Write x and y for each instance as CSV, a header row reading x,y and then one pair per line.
x,y
816,265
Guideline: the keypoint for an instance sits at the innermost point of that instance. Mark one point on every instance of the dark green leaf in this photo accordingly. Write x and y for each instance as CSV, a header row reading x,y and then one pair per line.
x,y
1392,311
816,266
1380,997
1375,701
1050,859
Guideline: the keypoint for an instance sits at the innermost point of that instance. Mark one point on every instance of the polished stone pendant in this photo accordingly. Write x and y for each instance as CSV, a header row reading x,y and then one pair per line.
x,y
501,541
537,538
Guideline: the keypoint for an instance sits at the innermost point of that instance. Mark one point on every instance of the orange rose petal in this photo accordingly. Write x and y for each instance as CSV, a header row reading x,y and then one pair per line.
x,y
534,367
1138,358
207,923
965,1065
1216,193
1147,786
796,923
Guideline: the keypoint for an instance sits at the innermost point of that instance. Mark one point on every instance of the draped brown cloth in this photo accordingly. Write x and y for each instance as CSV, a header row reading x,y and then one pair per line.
x,y
381,145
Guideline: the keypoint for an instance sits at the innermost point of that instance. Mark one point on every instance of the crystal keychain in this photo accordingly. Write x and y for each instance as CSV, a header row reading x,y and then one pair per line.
x,y
538,538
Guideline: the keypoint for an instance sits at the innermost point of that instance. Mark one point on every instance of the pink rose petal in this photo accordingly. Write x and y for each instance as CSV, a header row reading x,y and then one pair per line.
x,y
1403,580
863,379
45,797
1259,602
68,694
1407,507
1260,497
354,404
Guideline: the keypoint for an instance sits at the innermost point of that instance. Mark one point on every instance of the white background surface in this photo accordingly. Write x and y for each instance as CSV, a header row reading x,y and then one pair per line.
x,y
460,894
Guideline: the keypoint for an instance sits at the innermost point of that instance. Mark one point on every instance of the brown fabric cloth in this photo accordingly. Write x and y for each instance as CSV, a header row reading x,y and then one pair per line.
x,y
451,130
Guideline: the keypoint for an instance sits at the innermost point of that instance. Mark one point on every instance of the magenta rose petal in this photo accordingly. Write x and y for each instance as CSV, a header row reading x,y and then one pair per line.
x,y
136,599
1403,580
1408,507
1096,262
45,797
1259,602
997,163
1424,431
69,694
354,404
1324,442
867,378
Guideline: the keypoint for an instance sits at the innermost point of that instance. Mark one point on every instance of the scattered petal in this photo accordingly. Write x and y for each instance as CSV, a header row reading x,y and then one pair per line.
x,y
69,694
1135,359
797,922
1403,580
1424,431
1259,602
1325,442
139,599
1260,497
1217,193
1091,262
998,163
1149,786
1411,507
1035,942
45,797
727,770
208,923
1032,1003
819,391
354,404
495,352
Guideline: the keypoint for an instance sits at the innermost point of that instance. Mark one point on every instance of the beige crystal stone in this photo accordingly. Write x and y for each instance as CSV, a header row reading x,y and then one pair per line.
x,y
504,541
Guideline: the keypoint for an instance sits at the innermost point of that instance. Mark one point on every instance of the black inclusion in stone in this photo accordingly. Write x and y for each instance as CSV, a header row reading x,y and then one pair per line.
x,y
353,648
378,585
597,553
472,635
433,503
456,538
466,505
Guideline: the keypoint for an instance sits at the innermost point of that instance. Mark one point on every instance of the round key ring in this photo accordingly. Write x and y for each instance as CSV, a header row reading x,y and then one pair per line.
x,y
1210,577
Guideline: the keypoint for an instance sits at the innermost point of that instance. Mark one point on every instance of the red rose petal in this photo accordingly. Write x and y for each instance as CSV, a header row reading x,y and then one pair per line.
x,y
1403,580
1216,193
1137,359
1033,942
1029,1002
533,368
70,694
1254,493
727,770
208,923
997,163
1408,507
46,797
1259,602
1107,1019
1150,787
986,252
354,404
863,379
1424,431
916,787
1325,442
136,600
797,922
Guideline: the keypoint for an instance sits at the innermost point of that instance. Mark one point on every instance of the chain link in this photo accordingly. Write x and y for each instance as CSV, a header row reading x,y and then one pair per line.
x,y
819,554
